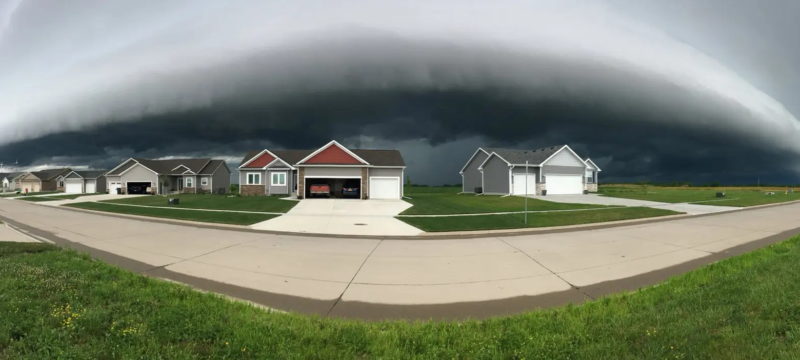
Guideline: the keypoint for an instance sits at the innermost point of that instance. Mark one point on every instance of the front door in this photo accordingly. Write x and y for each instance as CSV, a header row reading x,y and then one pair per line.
x,y
180,184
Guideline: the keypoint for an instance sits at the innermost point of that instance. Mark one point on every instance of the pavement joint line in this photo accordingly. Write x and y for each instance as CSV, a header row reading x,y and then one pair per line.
x,y
454,282
197,256
576,288
339,299
192,209
266,273
512,212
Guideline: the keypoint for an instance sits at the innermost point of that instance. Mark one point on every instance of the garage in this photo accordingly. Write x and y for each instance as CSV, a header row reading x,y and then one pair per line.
x,y
138,187
91,186
384,188
518,182
112,187
343,188
73,187
564,184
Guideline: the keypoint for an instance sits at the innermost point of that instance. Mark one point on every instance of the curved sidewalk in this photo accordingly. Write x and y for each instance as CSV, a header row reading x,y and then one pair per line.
x,y
413,278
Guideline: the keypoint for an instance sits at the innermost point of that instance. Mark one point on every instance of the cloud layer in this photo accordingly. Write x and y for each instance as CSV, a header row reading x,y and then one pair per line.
x,y
207,79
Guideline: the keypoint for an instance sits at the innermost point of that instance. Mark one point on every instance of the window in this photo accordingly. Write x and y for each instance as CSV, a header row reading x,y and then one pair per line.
x,y
189,182
204,181
60,183
253,179
279,179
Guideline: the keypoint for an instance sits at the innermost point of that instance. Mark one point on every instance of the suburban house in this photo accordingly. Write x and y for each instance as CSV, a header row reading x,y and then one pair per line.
x,y
43,180
369,174
7,181
550,170
85,182
169,176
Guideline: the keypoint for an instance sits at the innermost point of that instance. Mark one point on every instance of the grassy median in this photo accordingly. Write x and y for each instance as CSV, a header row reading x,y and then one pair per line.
x,y
177,213
535,220
214,202
60,304
52,198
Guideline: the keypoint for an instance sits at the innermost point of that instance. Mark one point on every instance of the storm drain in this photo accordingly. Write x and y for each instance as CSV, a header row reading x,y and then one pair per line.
x,y
360,224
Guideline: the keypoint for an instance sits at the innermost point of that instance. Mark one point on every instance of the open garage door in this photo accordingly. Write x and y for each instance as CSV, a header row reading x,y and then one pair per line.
x,y
138,187
564,184
324,187
384,188
73,187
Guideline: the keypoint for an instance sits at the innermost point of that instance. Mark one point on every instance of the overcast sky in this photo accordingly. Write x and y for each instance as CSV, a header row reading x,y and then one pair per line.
x,y
651,90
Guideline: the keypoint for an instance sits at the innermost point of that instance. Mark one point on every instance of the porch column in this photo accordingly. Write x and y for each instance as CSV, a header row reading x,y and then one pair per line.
x,y
301,182
364,183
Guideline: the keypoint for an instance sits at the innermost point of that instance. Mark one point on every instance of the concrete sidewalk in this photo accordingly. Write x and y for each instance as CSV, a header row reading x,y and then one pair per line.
x,y
377,278
691,209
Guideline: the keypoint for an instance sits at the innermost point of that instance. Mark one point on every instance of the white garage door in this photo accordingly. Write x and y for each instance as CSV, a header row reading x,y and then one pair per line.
x,y
73,188
384,188
564,184
112,187
91,186
519,184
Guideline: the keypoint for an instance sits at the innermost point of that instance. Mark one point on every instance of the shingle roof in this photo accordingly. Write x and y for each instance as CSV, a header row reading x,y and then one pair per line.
x,y
90,174
519,156
50,174
168,166
10,175
373,157
211,166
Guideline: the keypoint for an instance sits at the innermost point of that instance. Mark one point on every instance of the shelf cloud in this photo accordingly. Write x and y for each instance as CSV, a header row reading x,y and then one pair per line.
x,y
202,78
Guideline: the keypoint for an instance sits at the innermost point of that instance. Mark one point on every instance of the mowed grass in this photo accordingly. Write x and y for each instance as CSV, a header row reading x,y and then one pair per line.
x,y
60,304
443,200
180,214
214,202
52,198
734,196
535,220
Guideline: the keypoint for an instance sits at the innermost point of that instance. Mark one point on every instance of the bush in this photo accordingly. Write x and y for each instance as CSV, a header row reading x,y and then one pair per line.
x,y
234,189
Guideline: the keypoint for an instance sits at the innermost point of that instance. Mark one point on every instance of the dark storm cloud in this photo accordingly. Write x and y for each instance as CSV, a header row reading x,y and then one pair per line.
x,y
643,105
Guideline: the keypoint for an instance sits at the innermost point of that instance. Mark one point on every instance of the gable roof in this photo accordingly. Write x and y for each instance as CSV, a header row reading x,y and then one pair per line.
x,y
50,174
479,150
10,176
333,153
200,166
372,156
90,174
519,156
591,163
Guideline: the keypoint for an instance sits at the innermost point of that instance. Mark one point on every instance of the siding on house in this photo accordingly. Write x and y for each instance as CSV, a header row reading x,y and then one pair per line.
x,y
138,173
387,172
563,163
471,175
495,176
332,171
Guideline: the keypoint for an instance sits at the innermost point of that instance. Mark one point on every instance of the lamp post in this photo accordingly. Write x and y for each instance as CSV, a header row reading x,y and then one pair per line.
x,y
526,192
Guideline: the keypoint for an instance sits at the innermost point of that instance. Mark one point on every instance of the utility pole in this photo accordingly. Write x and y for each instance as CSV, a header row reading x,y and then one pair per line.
x,y
526,192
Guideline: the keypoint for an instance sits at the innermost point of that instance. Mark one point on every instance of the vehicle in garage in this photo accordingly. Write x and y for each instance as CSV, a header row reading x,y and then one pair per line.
x,y
349,173
85,182
319,190
546,171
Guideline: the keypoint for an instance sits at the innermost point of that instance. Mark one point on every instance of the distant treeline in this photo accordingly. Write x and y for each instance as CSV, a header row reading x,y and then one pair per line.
x,y
709,184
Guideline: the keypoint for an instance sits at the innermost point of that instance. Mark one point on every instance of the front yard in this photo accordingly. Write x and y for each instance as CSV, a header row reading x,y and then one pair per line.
x,y
61,304
734,196
448,201
52,197
214,202
220,217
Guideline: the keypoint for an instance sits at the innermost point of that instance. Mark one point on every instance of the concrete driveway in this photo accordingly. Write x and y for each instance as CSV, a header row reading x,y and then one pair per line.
x,y
385,278
343,217
691,209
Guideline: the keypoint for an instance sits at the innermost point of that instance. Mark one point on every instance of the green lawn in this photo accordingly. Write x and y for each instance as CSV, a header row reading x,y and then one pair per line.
x,y
181,214
740,197
59,304
535,220
52,198
215,202
447,200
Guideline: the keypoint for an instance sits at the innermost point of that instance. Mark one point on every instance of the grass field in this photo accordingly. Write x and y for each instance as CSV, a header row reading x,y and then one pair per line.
x,y
517,221
52,198
447,200
59,304
180,214
735,196
215,202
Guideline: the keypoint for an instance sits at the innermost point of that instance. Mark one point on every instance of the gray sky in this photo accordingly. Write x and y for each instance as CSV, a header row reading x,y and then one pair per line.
x,y
680,90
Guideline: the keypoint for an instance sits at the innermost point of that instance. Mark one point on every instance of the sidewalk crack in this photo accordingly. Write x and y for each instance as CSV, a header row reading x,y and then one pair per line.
x,y
339,299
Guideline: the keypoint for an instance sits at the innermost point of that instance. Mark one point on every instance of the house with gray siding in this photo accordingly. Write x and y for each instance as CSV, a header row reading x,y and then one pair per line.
x,y
549,170
365,173
169,176
85,182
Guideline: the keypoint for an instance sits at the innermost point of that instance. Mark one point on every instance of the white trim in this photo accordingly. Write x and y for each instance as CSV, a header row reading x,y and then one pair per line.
x,y
470,159
489,157
386,167
247,178
205,178
272,178
332,142
510,180
137,163
333,165
73,171
558,151
275,157
122,163
588,160
331,177
188,171
184,166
